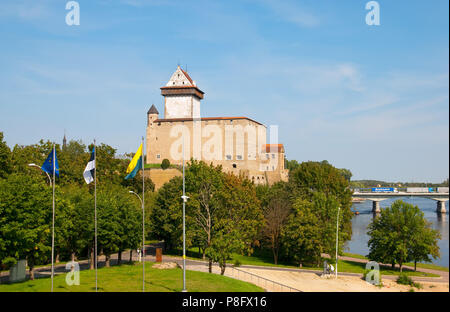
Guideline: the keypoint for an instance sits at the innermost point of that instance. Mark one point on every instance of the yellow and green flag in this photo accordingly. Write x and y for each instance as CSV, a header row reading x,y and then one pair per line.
x,y
135,164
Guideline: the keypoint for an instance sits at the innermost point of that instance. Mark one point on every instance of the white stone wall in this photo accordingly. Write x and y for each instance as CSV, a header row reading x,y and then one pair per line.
x,y
178,106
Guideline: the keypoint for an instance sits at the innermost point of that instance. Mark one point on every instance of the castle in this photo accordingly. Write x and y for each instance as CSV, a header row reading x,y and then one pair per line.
x,y
237,143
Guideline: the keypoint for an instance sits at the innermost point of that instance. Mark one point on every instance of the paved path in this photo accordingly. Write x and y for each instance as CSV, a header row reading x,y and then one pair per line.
x,y
199,265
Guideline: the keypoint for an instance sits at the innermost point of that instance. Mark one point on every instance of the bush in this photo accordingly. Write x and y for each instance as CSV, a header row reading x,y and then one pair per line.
x,y
405,280
237,263
165,164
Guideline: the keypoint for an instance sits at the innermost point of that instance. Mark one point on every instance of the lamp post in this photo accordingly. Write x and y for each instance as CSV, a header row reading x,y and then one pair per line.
x,y
185,198
143,240
337,239
49,179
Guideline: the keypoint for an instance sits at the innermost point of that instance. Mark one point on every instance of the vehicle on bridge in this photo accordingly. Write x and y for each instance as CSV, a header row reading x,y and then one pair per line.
x,y
427,190
384,190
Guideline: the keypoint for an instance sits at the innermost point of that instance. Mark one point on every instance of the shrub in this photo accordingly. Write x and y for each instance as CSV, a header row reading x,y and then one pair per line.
x,y
165,164
237,263
405,280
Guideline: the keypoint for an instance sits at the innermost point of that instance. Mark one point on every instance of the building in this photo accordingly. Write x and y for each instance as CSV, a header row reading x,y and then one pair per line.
x,y
237,143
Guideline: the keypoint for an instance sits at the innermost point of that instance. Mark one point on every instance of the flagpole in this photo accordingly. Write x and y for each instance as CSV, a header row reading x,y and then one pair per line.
x,y
143,219
184,227
53,217
95,213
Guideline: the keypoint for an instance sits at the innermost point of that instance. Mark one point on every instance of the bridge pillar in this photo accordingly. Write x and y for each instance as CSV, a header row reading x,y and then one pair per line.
x,y
440,206
376,206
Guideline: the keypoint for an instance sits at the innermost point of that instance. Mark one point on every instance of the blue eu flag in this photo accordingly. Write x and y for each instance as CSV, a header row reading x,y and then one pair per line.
x,y
48,164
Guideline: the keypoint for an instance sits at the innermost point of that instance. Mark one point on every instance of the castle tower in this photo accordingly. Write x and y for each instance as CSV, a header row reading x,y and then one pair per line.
x,y
152,115
181,96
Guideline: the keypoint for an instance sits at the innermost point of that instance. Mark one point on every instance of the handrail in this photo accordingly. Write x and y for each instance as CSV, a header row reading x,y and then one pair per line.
x,y
266,279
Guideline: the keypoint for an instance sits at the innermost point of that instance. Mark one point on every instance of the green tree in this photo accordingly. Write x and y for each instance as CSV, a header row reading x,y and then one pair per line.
x,y
311,230
301,235
321,177
236,222
277,207
165,164
395,235
166,215
26,220
5,158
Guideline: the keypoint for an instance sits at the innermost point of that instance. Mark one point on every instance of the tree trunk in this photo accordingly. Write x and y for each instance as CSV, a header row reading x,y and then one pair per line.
x,y
210,266
92,260
57,257
393,266
107,262
204,253
131,255
73,256
119,258
31,272
275,256
400,267
415,265
222,269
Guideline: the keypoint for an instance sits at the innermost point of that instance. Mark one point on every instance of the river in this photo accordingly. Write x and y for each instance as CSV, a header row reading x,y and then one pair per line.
x,y
358,243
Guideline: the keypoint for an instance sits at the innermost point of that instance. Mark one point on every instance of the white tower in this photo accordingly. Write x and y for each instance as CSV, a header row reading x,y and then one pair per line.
x,y
181,96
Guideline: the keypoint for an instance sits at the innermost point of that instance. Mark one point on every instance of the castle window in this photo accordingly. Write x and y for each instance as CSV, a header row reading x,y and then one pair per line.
x,y
228,157
273,168
158,156
267,168
234,166
239,157
174,83
273,156
267,156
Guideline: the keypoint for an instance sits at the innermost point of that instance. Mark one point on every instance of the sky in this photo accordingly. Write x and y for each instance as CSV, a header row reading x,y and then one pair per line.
x,y
373,99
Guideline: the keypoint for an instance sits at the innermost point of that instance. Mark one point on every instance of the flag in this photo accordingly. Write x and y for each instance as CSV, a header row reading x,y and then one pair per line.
x,y
135,164
88,173
47,166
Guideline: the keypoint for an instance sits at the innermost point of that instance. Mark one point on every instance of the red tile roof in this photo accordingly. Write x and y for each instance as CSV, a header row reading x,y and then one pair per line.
x,y
271,148
204,119
187,76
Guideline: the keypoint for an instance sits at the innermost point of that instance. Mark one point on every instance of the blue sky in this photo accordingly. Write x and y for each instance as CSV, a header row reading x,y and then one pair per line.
x,y
374,99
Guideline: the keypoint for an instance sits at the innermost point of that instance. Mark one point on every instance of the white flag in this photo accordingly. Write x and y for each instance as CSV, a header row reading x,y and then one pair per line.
x,y
88,173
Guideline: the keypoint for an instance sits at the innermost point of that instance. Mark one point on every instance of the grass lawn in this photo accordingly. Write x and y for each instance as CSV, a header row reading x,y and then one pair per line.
x,y
128,278
419,265
265,258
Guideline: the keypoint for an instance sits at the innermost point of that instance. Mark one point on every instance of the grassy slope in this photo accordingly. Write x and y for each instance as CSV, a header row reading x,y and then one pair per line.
x,y
419,265
266,259
128,278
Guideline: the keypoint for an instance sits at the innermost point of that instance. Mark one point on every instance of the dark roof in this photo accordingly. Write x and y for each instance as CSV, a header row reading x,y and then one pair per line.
x,y
153,110
204,119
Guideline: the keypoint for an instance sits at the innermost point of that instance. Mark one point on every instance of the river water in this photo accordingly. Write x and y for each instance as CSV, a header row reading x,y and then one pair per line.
x,y
358,243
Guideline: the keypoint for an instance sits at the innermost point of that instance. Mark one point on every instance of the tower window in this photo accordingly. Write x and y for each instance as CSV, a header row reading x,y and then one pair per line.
x,y
158,156
239,157
234,166
228,157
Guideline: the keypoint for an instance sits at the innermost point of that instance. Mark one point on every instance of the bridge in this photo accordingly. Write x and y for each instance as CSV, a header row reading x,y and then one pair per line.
x,y
376,197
